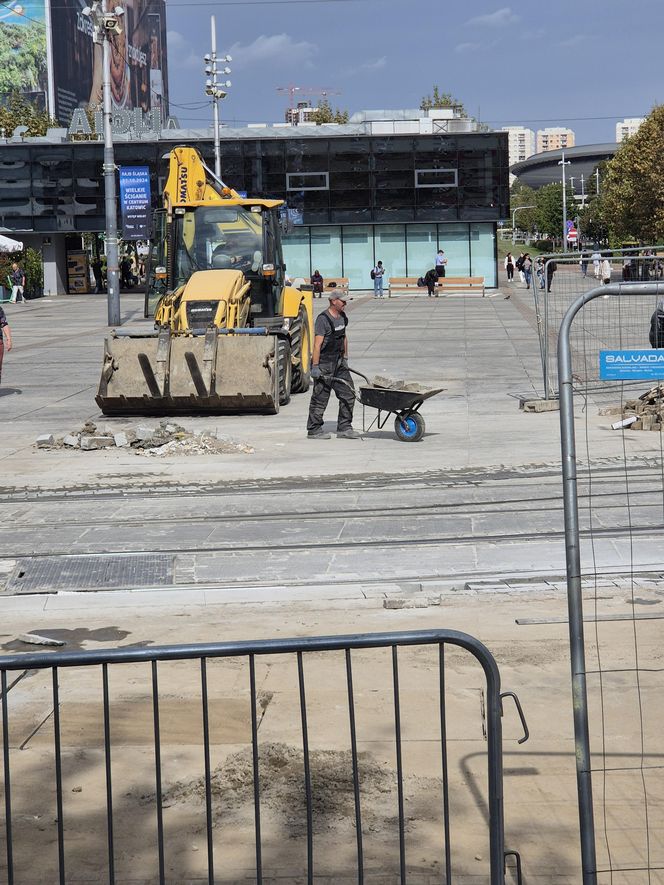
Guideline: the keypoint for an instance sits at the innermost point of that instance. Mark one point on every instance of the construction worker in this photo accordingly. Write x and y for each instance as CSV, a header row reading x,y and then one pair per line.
x,y
330,371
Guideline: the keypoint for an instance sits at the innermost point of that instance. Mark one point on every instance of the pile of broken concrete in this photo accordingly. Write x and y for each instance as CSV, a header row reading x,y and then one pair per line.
x,y
644,413
165,439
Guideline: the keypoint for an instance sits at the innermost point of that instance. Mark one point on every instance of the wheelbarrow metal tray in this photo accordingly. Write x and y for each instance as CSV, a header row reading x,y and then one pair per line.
x,y
387,399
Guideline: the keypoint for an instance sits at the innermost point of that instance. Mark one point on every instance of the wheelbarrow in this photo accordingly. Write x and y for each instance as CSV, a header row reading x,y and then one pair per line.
x,y
405,405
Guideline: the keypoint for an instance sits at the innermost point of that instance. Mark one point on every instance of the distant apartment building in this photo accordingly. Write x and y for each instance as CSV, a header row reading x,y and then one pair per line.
x,y
554,138
628,127
521,143
301,114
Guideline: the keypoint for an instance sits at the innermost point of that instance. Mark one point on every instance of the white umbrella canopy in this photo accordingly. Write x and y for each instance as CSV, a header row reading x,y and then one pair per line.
x,y
9,245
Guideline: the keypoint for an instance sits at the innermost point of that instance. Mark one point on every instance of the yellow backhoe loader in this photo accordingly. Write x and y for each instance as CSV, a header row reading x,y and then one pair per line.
x,y
230,335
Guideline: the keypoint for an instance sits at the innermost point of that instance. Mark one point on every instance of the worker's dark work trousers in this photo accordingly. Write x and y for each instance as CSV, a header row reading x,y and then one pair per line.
x,y
334,374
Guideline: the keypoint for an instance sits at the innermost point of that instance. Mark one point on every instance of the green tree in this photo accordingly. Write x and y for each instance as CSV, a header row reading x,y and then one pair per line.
x,y
20,112
324,113
633,187
23,57
549,201
440,99
592,221
522,195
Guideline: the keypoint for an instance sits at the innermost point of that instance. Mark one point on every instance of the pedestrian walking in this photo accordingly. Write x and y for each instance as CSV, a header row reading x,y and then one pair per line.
x,y
17,278
509,267
431,278
605,271
527,267
377,275
539,270
330,372
627,269
5,338
318,283
583,265
441,262
657,325
596,259
97,273
518,264
551,268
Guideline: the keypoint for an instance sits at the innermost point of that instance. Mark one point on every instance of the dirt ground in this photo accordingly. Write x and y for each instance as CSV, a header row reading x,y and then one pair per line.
x,y
540,784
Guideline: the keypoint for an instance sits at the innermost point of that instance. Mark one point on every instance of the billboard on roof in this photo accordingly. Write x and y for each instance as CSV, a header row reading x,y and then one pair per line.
x,y
138,58
23,53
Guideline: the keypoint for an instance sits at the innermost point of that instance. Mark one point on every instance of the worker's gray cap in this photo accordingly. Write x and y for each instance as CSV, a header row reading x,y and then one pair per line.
x,y
337,293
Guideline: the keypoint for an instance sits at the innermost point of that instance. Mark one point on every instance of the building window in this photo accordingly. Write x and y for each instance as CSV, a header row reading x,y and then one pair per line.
x,y
308,181
436,178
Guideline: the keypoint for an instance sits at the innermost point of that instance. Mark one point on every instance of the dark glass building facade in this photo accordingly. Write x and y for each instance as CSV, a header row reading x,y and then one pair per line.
x,y
351,199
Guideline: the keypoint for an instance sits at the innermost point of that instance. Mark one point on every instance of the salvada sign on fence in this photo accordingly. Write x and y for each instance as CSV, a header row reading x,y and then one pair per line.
x,y
631,365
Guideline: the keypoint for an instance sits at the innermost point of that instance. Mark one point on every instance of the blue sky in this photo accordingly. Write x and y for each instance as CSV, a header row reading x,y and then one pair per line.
x,y
523,63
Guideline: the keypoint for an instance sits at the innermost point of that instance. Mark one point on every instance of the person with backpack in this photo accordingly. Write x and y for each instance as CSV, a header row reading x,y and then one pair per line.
x,y
377,275
657,325
519,266
329,370
527,269
430,280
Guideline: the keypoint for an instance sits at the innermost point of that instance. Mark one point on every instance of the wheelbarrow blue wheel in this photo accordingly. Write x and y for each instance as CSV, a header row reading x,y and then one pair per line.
x,y
409,428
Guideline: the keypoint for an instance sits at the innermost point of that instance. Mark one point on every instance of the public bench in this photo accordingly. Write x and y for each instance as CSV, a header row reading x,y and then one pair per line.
x,y
408,285
335,284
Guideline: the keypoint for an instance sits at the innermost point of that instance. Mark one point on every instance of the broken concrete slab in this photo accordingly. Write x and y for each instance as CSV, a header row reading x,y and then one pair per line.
x,y
121,440
72,440
89,443
45,441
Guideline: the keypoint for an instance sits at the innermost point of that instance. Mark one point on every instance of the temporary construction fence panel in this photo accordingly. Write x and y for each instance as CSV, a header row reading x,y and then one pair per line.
x,y
236,762
606,324
614,515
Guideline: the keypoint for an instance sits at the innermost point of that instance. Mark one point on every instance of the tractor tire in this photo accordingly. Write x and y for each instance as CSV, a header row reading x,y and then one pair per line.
x,y
285,371
301,344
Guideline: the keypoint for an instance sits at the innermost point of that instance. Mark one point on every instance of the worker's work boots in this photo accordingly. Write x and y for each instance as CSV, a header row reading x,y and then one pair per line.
x,y
349,434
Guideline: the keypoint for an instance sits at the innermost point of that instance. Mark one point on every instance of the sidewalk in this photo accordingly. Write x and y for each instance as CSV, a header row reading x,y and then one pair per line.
x,y
483,351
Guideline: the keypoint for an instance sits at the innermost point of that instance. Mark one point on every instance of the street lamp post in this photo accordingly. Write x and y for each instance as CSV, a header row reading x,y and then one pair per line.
x,y
564,163
514,211
213,89
104,25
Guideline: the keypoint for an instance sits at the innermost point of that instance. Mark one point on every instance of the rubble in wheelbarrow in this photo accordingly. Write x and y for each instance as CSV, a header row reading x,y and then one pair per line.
x,y
644,413
167,438
392,384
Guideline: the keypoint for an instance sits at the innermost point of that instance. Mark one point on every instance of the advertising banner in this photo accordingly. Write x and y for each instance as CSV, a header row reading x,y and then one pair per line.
x,y
138,59
135,202
23,58
631,365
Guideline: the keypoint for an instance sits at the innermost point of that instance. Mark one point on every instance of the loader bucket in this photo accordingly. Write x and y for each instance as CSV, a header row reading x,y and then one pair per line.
x,y
164,374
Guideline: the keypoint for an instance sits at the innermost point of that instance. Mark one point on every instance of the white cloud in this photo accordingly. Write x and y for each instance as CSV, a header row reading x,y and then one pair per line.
x,y
576,40
276,47
376,65
467,47
498,19
367,67
181,53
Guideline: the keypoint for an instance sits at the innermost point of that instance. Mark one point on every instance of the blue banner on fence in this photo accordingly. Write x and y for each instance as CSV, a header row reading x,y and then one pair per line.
x,y
135,202
631,365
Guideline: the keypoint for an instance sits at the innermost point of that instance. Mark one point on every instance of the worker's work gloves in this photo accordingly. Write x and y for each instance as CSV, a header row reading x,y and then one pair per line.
x,y
316,372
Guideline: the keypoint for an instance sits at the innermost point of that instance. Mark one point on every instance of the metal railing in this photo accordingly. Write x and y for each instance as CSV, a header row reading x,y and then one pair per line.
x,y
303,650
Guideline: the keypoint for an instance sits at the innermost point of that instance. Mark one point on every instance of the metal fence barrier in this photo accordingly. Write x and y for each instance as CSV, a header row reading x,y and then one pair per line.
x,y
103,857
606,324
612,316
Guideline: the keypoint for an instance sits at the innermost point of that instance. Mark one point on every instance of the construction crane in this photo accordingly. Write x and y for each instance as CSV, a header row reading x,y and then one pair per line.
x,y
303,90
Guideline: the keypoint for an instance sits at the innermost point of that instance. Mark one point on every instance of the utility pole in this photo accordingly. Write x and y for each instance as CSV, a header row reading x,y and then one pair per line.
x,y
213,89
597,180
564,163
583,192
105,24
